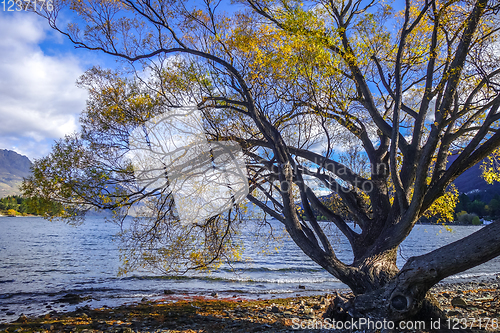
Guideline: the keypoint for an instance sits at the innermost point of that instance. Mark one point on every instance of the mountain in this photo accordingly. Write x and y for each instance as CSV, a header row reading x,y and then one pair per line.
x,y
471,183
13,168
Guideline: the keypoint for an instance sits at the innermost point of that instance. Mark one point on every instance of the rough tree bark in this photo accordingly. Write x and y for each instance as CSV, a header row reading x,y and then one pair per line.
x,y
405,296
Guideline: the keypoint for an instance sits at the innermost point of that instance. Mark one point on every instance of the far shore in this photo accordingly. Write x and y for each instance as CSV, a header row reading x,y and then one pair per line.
x,y
20,215
450,224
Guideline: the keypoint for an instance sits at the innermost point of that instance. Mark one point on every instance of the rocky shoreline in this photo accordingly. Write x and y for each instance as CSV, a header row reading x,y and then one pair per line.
x,y
470,300
475,303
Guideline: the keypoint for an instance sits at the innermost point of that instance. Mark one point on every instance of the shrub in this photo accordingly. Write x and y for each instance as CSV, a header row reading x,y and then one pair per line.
x,y
465,218
11,212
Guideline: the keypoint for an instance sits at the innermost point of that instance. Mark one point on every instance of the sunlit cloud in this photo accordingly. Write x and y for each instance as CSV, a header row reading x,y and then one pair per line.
x,y
39,98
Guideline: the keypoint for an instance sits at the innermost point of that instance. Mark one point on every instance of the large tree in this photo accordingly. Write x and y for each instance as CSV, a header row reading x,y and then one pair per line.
x,y
367,100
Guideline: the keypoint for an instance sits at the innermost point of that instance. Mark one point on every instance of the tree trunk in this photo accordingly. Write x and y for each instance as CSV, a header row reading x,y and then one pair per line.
x,y
405,296
374,318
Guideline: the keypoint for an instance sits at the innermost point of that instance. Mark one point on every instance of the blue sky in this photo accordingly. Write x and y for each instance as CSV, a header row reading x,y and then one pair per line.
x,y
39,67
39,99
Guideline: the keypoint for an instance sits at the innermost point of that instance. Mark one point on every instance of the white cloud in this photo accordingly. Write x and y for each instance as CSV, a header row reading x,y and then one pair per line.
x,y
39,101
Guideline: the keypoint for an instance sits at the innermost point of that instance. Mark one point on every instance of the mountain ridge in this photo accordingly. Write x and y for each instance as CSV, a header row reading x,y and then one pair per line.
x,y
13,168
473,184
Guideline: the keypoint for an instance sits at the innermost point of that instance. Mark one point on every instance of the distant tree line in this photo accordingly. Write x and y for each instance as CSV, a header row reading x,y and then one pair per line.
x,y
14,205
470,210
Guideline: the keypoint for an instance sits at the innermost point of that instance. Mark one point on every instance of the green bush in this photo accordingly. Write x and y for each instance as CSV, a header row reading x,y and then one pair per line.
x,y
465,218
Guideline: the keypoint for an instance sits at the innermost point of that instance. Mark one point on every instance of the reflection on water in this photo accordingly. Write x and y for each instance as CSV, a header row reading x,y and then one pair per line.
x,y
41,261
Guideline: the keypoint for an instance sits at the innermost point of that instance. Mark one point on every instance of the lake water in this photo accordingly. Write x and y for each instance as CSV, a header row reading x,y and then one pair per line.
x,y
41,261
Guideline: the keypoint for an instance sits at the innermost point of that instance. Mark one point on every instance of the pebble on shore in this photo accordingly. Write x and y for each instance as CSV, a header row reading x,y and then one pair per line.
x,y
462,300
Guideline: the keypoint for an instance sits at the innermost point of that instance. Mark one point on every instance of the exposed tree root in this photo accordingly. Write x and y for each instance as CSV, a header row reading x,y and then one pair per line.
x,y
343,308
